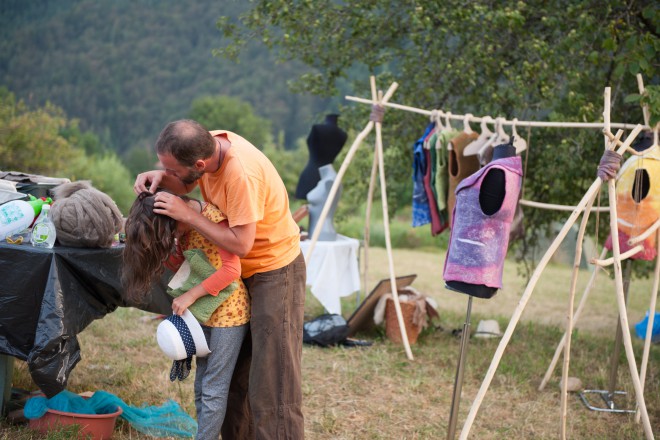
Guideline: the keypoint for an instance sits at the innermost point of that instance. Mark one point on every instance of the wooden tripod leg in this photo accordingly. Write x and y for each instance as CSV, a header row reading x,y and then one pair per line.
x,y
569,315
576,316
623,314
649,325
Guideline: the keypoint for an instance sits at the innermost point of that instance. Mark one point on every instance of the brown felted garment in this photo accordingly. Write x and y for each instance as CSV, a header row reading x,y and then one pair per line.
x,y
460,167
84,216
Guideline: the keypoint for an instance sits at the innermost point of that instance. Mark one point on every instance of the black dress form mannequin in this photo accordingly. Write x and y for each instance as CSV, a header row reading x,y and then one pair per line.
x,y
324,143
491,198
643,141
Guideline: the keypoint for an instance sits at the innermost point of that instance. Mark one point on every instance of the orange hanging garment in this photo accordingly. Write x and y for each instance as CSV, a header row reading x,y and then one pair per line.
x,y
638,201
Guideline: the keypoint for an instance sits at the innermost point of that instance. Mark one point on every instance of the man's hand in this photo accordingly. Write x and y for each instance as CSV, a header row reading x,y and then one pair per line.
x,y
173,206
148,181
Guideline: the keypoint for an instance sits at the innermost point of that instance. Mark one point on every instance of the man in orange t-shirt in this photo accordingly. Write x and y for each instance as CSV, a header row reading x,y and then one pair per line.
x,y
240,180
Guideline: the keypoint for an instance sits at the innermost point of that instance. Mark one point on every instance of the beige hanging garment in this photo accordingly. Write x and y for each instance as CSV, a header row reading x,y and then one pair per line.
x,y
460,166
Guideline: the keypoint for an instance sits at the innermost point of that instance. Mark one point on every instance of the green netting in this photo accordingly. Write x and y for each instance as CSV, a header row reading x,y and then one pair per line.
x,y
167,420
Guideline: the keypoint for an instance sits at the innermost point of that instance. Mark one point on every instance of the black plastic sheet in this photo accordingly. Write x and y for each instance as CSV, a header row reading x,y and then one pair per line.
x,y
48,296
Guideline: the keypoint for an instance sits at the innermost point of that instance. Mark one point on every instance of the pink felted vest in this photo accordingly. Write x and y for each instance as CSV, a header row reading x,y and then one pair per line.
x,y
479,242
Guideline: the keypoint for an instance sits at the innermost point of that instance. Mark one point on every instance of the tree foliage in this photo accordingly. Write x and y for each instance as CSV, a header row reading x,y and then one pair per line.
x,y
108,174
31,141
126,68
233,114
289,163
44,141
532,60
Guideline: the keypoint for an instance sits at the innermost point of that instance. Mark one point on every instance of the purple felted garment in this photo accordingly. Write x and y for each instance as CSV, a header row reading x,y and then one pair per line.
x,y
479,242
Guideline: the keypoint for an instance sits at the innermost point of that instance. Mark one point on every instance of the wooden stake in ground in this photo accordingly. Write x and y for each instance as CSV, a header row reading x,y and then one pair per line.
x,y
623,315
576,316
649,324
569,315
376,102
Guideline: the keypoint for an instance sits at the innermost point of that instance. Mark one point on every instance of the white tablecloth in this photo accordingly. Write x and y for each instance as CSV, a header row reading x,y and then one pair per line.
x,y
333,271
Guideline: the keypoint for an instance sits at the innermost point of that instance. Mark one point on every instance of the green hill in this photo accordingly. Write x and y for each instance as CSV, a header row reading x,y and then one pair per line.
x,y
125,68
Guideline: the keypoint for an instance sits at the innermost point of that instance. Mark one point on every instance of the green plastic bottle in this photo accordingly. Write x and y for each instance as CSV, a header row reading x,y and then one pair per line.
x,y
18,215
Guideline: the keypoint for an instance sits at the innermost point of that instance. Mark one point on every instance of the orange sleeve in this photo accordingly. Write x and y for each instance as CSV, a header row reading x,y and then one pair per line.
x,y
230,271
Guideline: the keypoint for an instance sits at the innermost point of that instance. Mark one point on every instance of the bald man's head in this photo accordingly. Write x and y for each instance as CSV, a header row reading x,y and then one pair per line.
x,y
186,140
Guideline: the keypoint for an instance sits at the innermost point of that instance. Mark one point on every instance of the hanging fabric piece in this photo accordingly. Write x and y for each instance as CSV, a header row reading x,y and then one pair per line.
x,y
638,202
460,166
421,212
438,223
479,239
442,170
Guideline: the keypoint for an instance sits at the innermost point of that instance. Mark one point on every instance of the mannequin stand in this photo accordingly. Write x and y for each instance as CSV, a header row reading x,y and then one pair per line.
x,y
609,394
460,370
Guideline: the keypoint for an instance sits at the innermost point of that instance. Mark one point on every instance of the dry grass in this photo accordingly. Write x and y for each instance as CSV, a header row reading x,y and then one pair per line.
x,y
376,393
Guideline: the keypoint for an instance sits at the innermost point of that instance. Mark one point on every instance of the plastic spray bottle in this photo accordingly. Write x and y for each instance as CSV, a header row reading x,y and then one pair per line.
x,y
43,231
18,215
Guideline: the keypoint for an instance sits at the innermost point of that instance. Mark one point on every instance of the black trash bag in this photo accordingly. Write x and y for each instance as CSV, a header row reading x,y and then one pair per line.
x,y
325,330
49,296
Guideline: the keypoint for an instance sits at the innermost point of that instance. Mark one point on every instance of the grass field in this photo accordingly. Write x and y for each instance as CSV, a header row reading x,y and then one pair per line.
x,y
376,393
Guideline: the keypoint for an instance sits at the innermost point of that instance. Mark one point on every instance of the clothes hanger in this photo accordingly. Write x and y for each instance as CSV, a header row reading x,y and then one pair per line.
x,y
447,123
445,128
518,141
502,136
474,146
495,137
435,117
438,121
466,123
438,143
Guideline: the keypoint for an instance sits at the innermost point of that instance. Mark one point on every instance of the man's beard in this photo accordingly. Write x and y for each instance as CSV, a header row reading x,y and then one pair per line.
x,y
192,176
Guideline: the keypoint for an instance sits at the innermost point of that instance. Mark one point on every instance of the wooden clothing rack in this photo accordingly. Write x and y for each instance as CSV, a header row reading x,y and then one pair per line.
x,y
612,142
490,120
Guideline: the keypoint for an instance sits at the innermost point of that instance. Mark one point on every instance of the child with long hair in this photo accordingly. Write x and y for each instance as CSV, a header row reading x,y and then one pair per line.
x,y
155,241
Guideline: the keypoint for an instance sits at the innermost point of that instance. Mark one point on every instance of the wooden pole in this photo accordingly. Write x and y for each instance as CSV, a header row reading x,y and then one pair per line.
x,y
569,315
528,291
335,186
655,226
649,324
388,243
518,123
367,223
576,316
556,207
609,261
618,278
623,314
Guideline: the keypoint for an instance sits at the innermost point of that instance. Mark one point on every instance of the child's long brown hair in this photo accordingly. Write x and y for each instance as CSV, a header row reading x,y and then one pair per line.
x,y
149,242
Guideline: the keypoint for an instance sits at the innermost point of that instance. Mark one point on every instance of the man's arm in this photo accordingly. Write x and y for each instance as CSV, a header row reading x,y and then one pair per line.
x,y
237,240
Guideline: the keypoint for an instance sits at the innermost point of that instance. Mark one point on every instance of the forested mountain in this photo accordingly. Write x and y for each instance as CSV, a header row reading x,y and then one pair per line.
x,y
125,68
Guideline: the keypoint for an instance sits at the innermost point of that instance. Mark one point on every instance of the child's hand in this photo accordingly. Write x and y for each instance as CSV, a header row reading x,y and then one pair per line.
x,y
181,303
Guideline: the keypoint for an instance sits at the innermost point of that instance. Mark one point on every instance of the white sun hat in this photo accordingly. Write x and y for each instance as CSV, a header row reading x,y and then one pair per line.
x,y
488,329
172,337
